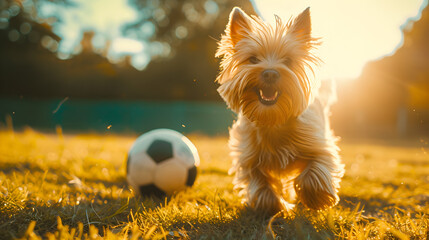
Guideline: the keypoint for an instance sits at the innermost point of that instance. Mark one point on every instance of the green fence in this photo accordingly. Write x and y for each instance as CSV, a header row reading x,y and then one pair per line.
x,y
117,116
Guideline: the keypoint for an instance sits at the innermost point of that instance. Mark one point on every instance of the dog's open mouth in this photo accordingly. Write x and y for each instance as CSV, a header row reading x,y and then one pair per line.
x,y
268,95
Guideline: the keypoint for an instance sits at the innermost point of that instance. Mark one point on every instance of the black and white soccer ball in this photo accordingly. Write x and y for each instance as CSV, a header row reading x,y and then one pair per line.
x,y
162,162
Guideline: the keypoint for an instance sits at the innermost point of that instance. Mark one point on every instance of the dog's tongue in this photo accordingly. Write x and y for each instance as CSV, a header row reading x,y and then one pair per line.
x,y
269,92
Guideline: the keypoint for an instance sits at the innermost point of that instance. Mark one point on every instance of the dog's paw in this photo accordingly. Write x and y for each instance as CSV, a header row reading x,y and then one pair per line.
x,y
269,203
287,207
317,199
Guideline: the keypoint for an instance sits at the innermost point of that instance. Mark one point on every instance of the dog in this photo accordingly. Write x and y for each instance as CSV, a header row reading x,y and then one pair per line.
x,y
282,146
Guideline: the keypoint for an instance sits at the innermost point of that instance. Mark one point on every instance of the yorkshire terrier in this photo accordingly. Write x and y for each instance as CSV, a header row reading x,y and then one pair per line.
x,y
282,145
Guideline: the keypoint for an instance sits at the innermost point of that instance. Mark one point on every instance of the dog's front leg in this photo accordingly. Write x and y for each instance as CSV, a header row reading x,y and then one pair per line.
x,y
317,185
263,192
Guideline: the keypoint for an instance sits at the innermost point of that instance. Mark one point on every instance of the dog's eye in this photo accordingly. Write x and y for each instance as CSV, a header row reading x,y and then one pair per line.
x,y
254,60
287,61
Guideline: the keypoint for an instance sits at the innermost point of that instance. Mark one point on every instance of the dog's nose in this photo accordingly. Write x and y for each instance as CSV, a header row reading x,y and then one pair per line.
x,y
270,76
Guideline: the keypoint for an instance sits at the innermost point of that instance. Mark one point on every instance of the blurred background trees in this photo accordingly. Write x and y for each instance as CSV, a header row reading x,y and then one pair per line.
x,y
179,38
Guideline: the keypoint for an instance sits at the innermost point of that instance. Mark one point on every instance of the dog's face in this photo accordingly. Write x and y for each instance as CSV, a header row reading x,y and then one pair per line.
x,y
264,68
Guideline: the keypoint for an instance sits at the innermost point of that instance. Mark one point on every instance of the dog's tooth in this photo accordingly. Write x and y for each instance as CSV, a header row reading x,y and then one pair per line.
x,y
261,93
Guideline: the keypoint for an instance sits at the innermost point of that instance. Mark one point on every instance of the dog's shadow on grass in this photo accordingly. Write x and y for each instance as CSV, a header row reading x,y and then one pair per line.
x,y
249,224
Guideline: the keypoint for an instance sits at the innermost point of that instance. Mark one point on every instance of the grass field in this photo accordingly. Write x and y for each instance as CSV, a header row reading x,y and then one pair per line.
x,y
73,186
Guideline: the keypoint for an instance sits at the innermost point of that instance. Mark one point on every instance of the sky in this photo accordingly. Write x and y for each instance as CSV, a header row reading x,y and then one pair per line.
x,y
352,32
106,18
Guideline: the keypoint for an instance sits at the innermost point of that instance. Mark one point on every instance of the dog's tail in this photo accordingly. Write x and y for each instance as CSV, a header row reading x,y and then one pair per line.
x,y
327,93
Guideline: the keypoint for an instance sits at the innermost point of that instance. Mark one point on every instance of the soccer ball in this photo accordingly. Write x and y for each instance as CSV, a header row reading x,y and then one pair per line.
x,y
161,162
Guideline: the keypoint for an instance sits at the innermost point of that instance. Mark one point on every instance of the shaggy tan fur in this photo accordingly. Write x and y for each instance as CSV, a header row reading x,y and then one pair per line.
x,y
282,146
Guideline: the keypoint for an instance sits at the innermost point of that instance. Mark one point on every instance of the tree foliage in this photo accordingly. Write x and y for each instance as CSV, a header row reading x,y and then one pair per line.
x,y
184,68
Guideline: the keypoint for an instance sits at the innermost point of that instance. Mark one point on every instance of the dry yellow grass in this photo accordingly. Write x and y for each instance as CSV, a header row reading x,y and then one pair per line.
x,y
73,186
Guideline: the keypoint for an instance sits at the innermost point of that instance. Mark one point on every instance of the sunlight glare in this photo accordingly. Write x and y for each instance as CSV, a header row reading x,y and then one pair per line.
x,y
126,46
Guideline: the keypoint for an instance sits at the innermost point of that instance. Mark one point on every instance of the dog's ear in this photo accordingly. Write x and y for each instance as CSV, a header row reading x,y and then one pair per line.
x,y
238,25
302,24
